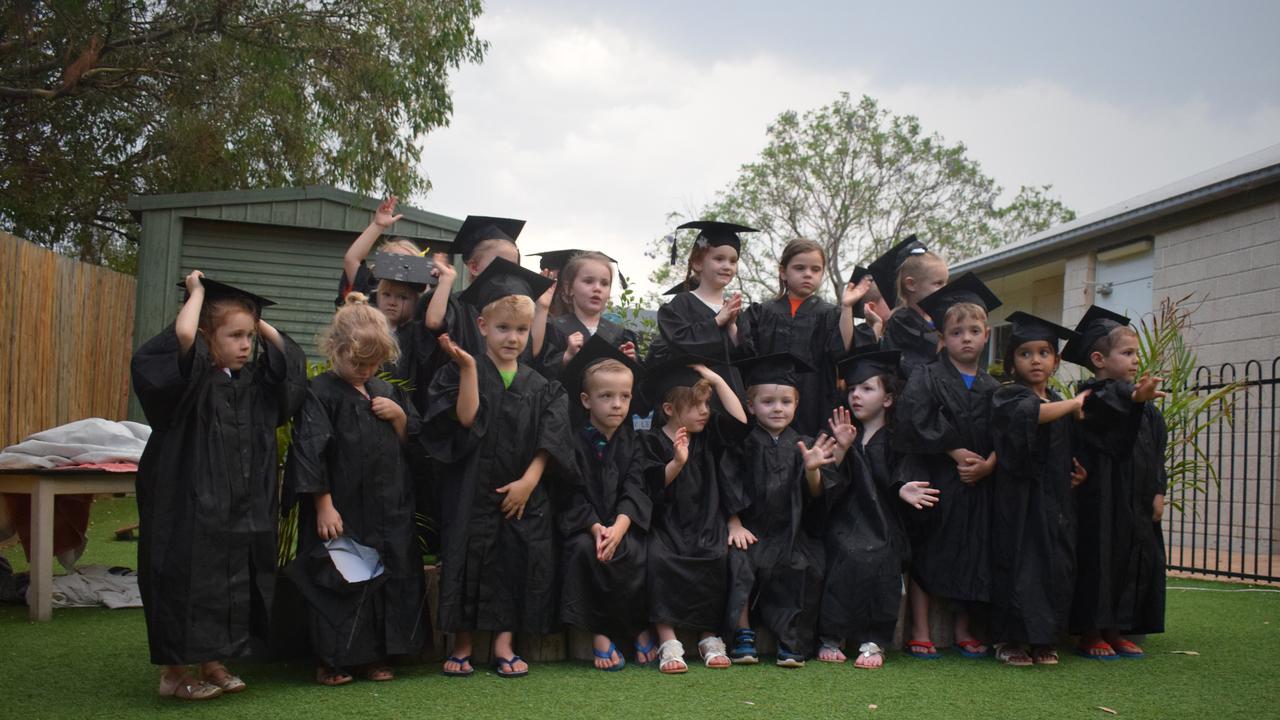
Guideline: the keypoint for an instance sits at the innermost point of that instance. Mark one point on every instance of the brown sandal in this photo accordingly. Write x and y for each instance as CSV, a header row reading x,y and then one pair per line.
x,y
380,673
332,677
186,687
220,676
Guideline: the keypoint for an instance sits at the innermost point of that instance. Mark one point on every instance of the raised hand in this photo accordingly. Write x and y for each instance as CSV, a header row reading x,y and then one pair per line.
x,y
873,319
573,345
628,348
384,216
1147,389
193,281
681,443
822,452
456,353
842,427
919,495
442,269
854,293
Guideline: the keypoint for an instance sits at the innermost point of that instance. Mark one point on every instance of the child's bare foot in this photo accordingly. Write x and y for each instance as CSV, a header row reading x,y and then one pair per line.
x,y
971,647
1044,655
606,654
177,682
459,663
712,650
646,648
671,658
1123,646
922,649
379,672
870,656
332,677
509,664
830,652
1013,655
1094,647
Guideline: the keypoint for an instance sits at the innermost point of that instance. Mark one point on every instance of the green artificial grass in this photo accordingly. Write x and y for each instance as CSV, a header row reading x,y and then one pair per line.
x,y
94,662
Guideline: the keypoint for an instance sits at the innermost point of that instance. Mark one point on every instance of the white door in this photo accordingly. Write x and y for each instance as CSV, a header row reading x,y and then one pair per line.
x,y
1124,285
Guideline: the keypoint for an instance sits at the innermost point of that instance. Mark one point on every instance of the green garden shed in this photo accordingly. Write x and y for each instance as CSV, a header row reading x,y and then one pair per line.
x,y
284,243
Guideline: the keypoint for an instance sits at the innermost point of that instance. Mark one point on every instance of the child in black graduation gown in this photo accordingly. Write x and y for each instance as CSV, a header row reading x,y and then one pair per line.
x,y
800,322
1033,513
207,482
866,545
1120,576
583,284
905,275
701,319
692,498
941,431
482,241
494,424
349,467
604,510
775,564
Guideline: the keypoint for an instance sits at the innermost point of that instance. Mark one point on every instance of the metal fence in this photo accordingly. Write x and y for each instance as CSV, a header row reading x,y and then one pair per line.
x,y
1229,528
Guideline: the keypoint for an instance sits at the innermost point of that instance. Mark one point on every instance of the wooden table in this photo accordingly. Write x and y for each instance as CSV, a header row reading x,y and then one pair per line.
x,y
42,486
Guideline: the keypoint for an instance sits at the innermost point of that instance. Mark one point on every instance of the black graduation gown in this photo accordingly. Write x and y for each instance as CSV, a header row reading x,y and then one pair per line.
x,y
1033,528
779,576
460,323
908,332
864,338
207,494
949,541
340,447
1120,578
813,335
688,325
607,598
420,356
364,282
497,574
866,545
608,330
688,536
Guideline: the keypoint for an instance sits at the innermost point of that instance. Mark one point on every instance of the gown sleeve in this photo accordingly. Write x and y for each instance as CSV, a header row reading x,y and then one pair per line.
x,y
283,372
307,471
1015,420
1112,420
920,426
441,436
574,511
681,328
162,374
633,500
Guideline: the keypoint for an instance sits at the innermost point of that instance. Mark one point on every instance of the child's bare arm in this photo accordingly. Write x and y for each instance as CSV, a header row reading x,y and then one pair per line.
x,y
270,334
679,458
382,221
439,302
728,398
328,521
189,316
538,331
468,405
1062,408
517,493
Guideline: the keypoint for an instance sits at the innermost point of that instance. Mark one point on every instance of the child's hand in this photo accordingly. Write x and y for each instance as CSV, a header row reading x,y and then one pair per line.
x,y
822,452
1146,389
383,217
328,522
974,467
387,409
874,320
963,457
574,344
740,537
729,311
193,281
612,537
598,532
544,300
455,353
443,270
1079,401
842,427
706,373
628,348
1078,473
681,443
1157,508
854,293
516,496
919,495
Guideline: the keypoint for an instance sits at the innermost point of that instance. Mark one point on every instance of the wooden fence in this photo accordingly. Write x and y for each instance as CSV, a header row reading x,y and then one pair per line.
x,y
66,335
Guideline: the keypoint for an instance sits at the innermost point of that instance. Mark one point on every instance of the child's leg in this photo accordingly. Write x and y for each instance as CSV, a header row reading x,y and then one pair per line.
x,y
918,600
461,651
607,656
503,647
964,638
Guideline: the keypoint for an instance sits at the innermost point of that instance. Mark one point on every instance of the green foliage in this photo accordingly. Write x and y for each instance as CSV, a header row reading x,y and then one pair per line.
x,y
632,312
856,178
1188,412
103,98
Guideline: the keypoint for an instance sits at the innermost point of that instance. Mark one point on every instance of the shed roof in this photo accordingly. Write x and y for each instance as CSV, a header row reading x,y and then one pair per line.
x,y
1240,175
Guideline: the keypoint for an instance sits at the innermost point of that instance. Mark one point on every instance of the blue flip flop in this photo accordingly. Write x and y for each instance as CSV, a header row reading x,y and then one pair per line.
x,y
510,663
1085,653
608,655
460,661
645,650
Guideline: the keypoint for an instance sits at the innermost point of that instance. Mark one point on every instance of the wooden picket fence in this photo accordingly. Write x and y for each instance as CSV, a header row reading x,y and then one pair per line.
x,y
66,334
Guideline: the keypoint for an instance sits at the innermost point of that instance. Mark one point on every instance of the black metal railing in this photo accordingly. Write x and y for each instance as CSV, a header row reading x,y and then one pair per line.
x,y
1228,528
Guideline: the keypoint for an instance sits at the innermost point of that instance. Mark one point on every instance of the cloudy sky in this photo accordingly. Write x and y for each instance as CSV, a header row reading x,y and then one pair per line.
x,y
595,119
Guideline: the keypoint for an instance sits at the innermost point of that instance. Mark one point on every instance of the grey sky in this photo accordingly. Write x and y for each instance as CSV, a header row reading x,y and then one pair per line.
x,y
594,119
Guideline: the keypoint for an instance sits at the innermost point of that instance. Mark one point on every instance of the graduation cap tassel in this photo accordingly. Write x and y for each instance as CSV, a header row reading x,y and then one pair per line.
x,y
672,239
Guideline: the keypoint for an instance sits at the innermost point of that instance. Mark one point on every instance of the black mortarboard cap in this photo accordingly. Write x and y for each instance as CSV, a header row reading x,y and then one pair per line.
x,y
478,228
775,369
689,285
214,290
885,268
673,372
1096,324
594,350
858,367
716,233
1026,327
503,278
965,289
413,270
557,259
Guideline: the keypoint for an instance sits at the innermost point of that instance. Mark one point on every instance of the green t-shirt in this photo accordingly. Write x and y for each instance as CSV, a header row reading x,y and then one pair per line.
x,y
507,377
